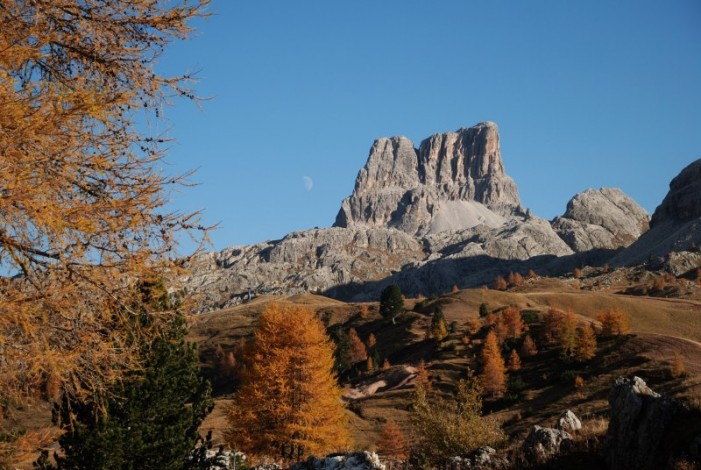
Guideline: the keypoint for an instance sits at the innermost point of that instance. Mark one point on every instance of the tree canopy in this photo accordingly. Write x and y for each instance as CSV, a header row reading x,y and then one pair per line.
x,y
82,196
289,405
391,302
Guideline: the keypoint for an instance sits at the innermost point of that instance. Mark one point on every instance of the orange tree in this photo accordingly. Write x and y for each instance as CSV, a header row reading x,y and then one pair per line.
x,y
289,404
82,199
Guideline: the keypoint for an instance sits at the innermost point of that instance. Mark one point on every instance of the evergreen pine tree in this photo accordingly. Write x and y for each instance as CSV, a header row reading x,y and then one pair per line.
x,y
391,302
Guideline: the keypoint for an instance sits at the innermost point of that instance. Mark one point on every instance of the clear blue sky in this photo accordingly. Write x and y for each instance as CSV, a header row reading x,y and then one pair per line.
x,y
586,94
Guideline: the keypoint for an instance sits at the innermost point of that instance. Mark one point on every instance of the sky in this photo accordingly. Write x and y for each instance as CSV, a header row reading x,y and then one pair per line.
x,y
586,95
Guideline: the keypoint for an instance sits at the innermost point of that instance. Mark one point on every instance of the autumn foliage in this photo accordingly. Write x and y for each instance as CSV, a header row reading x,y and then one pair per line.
x,y
83,195
585,344
514,361
528,348
614,322
358,351
290,404
493,376
393,443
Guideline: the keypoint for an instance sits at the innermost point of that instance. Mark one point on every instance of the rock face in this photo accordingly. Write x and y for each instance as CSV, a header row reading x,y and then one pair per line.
x,y
351,461
640,421
683,201
452,181
676,224
483,458
601,218
542,444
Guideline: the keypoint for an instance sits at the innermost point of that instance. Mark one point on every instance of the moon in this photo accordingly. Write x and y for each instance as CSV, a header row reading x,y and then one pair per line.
x,y
308,183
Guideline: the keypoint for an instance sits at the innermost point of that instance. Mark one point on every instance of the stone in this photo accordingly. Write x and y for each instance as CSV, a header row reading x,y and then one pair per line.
x,y
483,458
640,419
349,461
542,444
603,218
569,422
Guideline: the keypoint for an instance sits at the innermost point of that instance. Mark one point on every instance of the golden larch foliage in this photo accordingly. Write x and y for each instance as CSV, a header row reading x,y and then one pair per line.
x,y
358,352
370,364
567,334
289,404
677,370
514,361
422,377
83,203
372,341
364,311
499,283
528,348
393,443
493,376
513,322
614,322
585,344
386,365
579,382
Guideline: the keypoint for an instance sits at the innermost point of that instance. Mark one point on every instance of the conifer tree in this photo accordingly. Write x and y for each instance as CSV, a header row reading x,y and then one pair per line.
x,y
372,341
370,364
514,361
393,444
358,352
493,377
528,348
513,322
391,302
422,378
614,322
585,345
438,328
290,404
386,365
150,421
484,310
567,335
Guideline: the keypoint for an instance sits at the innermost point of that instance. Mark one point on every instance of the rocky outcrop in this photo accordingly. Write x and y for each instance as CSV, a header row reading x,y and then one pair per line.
x,y
543,444
639,423
312,260
601,218
350,461
676,224
683,201
569,422
483,458
452,181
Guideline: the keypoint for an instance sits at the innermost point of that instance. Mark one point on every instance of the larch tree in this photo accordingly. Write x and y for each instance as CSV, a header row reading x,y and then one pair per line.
x,y
393,444
528,348
514,361
585,344
422,378
83,207
439,331
614,322
289,404
567,335
513,322
358,352
493,376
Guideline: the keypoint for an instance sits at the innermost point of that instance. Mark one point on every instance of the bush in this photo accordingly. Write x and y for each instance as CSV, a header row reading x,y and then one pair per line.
x,y
391,302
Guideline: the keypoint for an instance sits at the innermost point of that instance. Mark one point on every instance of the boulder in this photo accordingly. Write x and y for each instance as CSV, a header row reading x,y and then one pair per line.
x,y
569,422
639,422
483,458
349,461
542,444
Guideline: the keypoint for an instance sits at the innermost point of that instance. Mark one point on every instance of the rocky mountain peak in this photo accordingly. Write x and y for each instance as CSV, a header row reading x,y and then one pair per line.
x,y
601,218
683,201
457,173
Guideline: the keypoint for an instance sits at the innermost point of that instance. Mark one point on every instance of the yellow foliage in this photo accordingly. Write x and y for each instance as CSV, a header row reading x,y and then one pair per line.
x,y
289,404
493,376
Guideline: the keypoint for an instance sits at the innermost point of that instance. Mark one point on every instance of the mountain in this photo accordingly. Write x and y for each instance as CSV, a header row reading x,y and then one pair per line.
x,y
428,218
453,181
674,237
